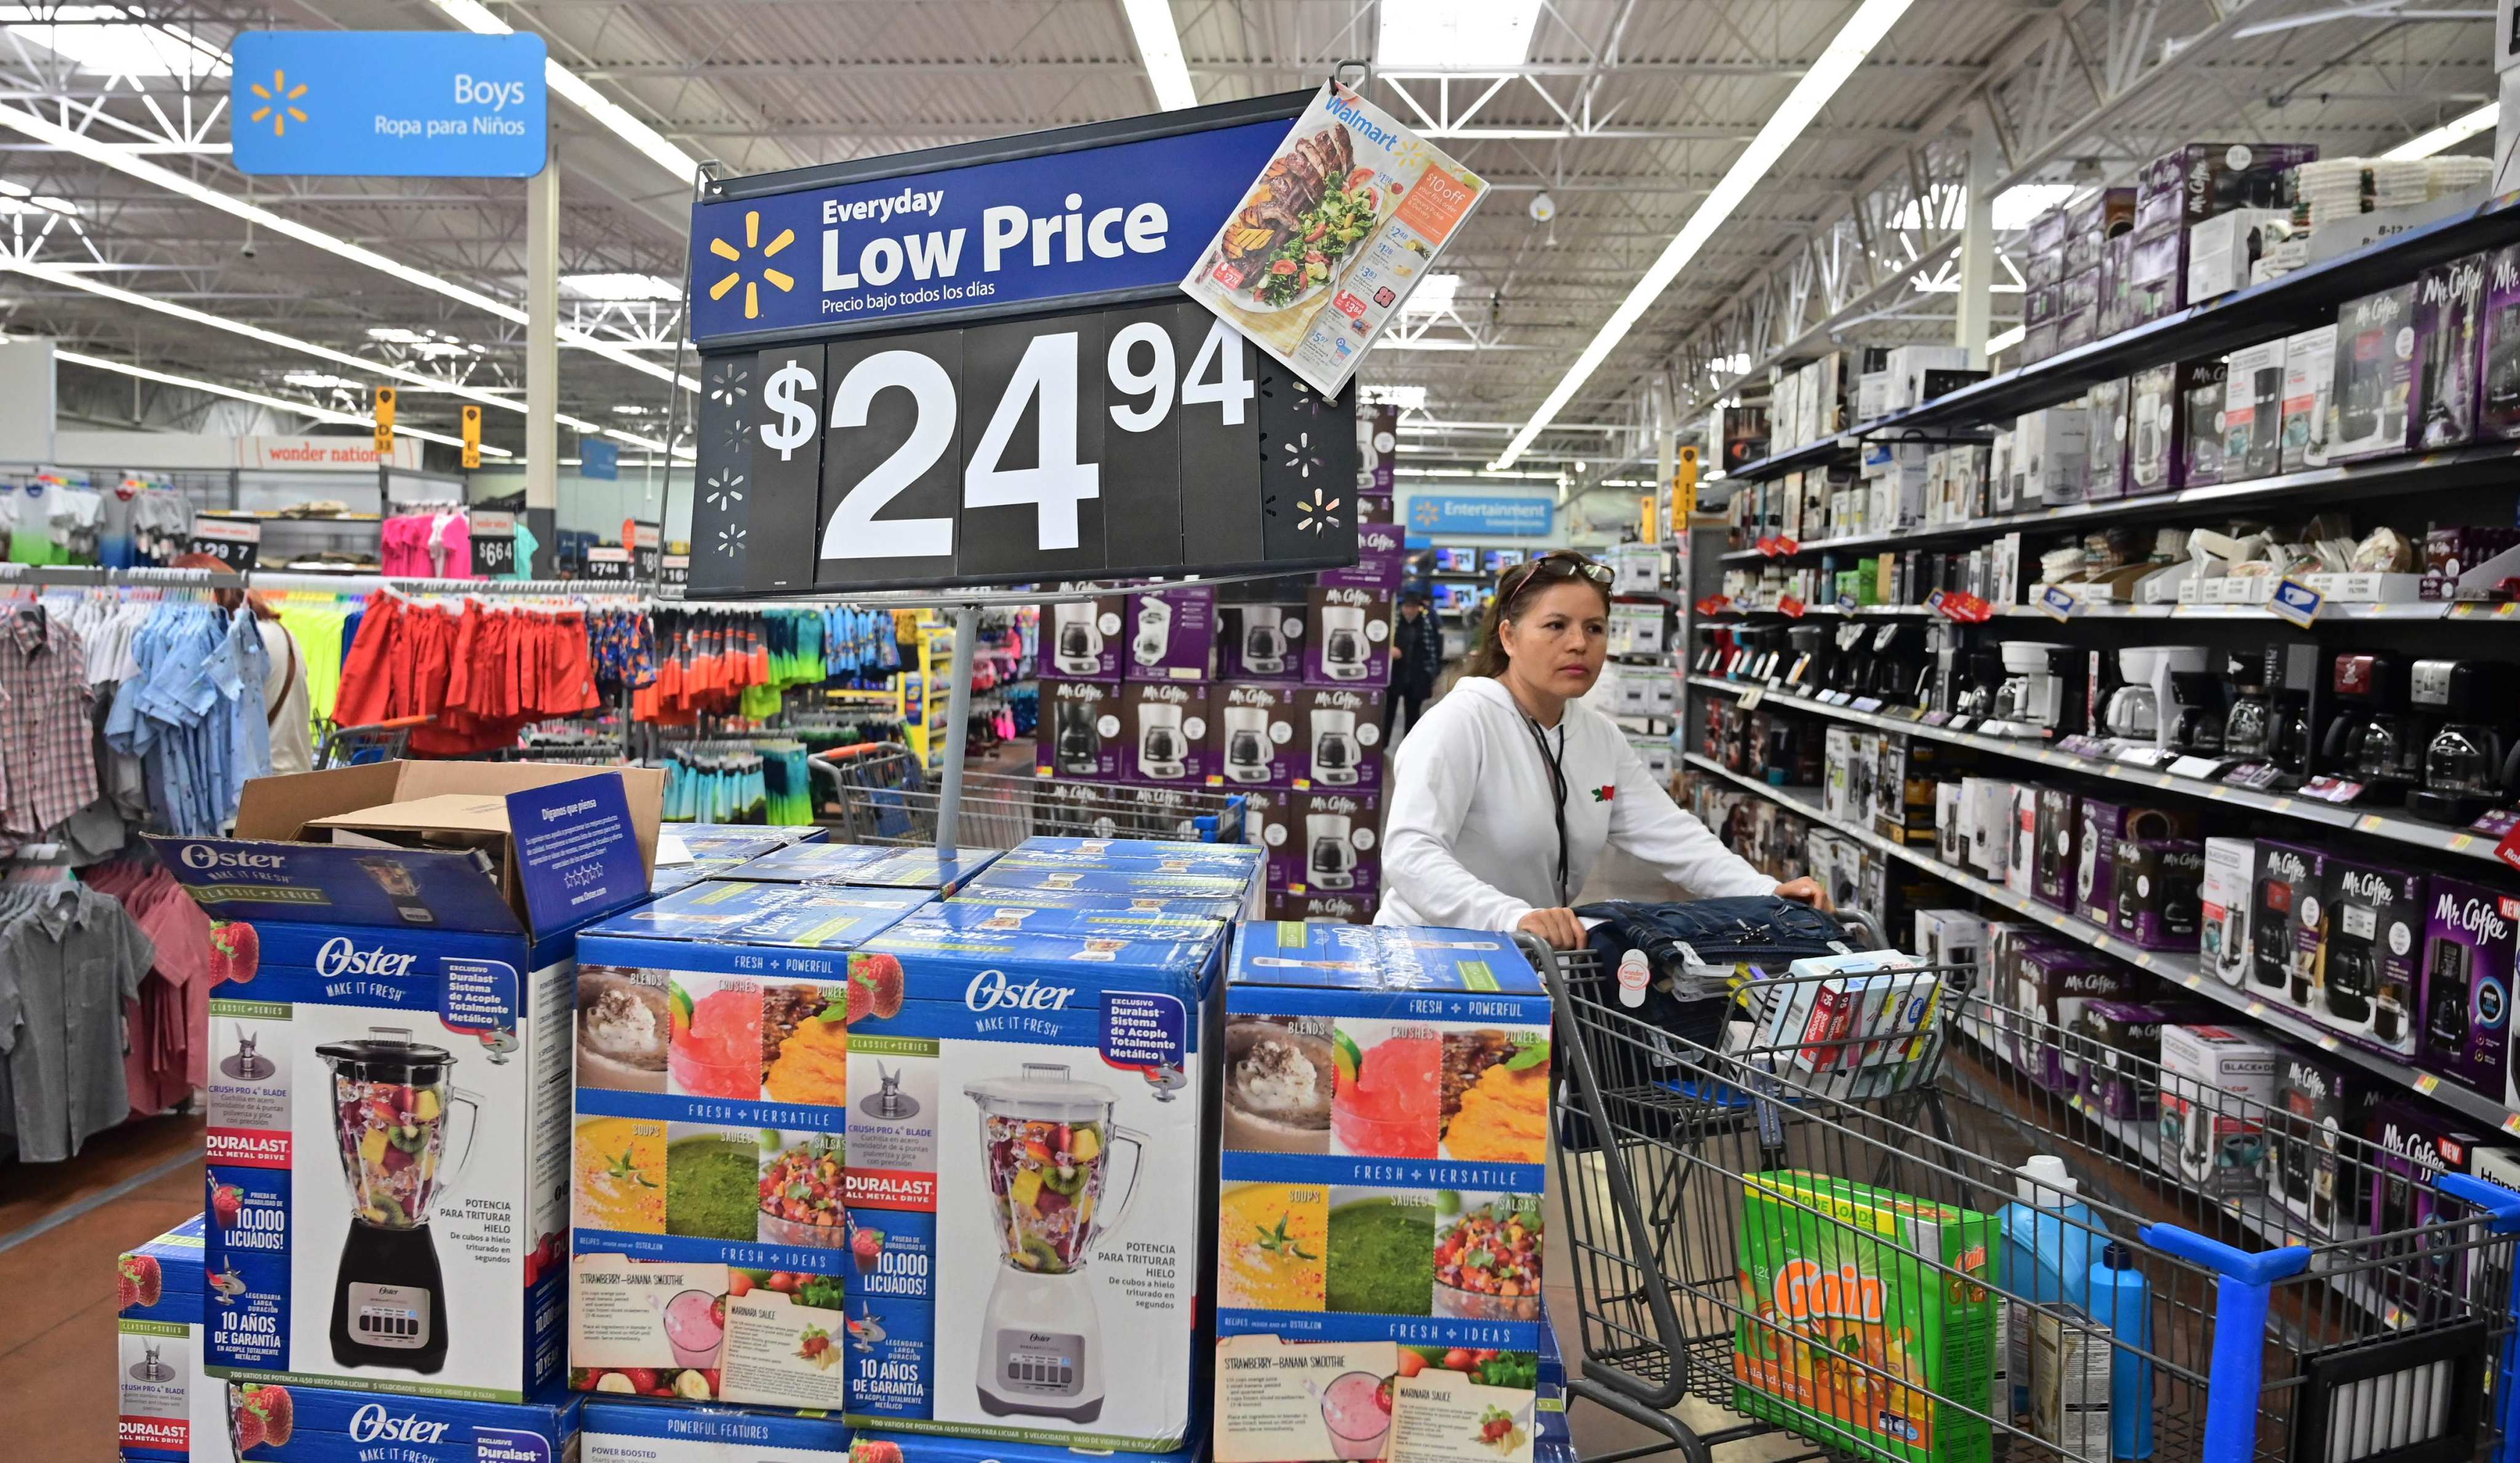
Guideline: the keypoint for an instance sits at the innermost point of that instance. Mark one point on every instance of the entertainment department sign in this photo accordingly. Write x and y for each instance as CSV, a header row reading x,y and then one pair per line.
x,y
391,104
1501,517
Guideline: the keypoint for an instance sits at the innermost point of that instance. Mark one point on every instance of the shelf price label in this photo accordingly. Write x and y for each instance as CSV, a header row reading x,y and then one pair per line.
x,y
2058,603
235,543
1961,606
1146,440
2508,849
1714,603
2296,604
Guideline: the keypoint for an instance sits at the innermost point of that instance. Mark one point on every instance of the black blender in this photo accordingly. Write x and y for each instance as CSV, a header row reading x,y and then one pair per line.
x,y
2370,741
2468,765
390,1101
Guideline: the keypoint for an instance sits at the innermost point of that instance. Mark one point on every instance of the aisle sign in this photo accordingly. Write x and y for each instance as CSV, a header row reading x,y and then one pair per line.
x,y
1130,434
235,543
1347,216
385,420
472,436
598,459
388,104
1494,518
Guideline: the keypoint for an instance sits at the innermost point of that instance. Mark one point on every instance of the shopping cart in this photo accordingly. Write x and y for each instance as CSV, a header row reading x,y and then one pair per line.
x,y
1804,1231
375,742
881,793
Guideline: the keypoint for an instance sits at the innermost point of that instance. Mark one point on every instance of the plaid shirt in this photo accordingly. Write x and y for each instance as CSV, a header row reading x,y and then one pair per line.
x,y
46,740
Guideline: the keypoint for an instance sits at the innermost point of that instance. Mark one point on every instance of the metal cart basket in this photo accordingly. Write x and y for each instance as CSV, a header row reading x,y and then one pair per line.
x,y
1819,1228
879,793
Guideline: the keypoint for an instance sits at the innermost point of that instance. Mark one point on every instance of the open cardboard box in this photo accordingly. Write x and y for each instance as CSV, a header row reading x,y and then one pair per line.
x,y
284,862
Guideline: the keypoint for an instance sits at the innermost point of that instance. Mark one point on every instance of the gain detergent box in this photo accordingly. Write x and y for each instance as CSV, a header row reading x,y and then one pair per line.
x,y
389,1070
1385,1134
1025,1127
708,1241
650,1433
1868,1318
158,1357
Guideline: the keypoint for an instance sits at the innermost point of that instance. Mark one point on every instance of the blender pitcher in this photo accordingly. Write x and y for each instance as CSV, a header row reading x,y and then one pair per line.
x,y
392,1101
1046,1142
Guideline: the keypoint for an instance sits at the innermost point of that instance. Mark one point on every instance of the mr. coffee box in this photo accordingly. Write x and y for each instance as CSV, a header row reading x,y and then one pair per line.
x,y
2309,387
2449,300
2374,374
2314,1167
2370,959
1347,636
1085,639
1338,734
1386,1132
2470,957
1171,635
2284,925
2225,899
2499,349
1332,844
710,1240
1260,642
1257,736
1164,733
1079,733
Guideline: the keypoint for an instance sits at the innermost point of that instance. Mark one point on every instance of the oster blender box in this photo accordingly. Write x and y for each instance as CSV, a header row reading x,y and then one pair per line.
x,y
645,1433
1385,1127
913,1447
1133,855
1121,884
389,1072
166,1400
865,865
1087,901
1172,634
270,1423
709,1242
1025,1151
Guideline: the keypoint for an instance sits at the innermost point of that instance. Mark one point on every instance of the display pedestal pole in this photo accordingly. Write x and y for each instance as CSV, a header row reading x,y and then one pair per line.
x,y
958,728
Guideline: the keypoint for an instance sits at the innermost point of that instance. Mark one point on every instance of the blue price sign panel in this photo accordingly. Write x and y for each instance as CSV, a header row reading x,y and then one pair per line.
x,y
974,365
1443,513
391,104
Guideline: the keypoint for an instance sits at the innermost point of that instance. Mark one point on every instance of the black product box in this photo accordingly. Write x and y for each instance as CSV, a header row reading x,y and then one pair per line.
x,y
1079,735
1260,642
2313,1169
2253,411
2052,864
2449,303
2091,223
2370,957
2156,891
2284,949
2374,375
2158,423
2499,415
2217,178
2202,387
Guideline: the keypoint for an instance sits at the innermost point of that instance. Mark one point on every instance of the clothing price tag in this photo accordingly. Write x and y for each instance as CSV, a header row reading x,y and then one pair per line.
x,y
235,543
675,571
2058,603
2296,604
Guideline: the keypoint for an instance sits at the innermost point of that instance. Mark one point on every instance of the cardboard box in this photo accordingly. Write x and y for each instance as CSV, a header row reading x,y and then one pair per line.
x,y
2221,250
2051,453
1347,637
1079,735
1085,639
2252,390
2155,890
1101,904
2216,1085
2374,375
327,1425
641,1433
1338,739
864,865
2370,958
1260,642
409,1002
1385,1094
1950,1329
1029,1062
2471,967
2055,984
2450,301
2227,898
1164,737
1172,632
2499,347
166,1398
2205,386
1336,910
2119,1074
1381,560
2105,464
2310,388
1333,844
1253,735
2314,1170
2284,928
2417,1144
2059,820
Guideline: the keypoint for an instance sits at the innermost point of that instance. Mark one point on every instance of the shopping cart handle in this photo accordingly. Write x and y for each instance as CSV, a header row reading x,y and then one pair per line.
x,y
2494,1199
855,750
2262,1267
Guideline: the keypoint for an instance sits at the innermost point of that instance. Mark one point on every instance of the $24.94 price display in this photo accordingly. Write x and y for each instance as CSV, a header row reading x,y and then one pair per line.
x,y
1139,440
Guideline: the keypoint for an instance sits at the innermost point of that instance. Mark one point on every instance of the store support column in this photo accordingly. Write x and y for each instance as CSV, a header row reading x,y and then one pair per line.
x,y
542,361
1975,307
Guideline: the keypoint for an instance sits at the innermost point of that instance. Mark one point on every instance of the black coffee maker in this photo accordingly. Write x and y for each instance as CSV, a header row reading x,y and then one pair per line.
x,y
1898,664
1978,678
2371,740
1850,668
1080,745
2470,763
2195,713
2269,721
1808,662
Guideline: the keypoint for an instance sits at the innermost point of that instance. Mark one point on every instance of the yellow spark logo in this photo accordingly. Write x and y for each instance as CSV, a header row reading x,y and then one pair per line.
x,y
733,255
279,95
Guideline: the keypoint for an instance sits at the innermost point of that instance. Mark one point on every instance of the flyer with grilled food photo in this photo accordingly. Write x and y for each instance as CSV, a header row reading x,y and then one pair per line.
x,y
1350,214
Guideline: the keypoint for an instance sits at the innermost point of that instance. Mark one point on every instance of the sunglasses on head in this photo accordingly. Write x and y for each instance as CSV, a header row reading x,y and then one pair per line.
x,y
1558,566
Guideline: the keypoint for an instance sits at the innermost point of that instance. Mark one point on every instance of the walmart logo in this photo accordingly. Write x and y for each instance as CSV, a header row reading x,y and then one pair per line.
x,y
782,283
276,98
1427,512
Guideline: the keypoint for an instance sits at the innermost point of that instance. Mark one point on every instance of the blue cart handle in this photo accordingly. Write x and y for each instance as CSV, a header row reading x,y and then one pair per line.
x,y
2231,1399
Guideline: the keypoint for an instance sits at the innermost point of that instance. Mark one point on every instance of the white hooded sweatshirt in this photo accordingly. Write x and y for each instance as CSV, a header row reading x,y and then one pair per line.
x,y
1470,841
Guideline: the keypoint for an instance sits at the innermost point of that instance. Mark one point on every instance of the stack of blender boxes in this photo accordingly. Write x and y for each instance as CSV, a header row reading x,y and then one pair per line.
x,y
1277,695
388,1103
628,1433
926,1164
1379,1197
689,853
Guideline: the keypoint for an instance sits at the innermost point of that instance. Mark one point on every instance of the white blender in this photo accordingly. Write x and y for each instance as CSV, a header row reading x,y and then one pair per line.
x,y
1154,631
1041,1340
1076,639
1246,744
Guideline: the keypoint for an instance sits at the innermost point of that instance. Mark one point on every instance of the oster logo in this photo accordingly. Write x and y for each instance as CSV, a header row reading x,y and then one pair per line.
x,y
373,1423
204,856
991,990
1806,1292
338,957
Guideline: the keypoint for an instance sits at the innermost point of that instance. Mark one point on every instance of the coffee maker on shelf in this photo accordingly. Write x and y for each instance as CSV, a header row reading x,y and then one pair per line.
x,y
2268,725
1978,678
1808,659
1898,666
2033,698
2143,712
2470,763
2372,741
2196,713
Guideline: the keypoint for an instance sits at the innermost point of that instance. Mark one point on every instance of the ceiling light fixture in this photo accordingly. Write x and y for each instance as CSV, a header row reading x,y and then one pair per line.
x,y
1159,48
112,41
1845,51
650,143
1455,35
105,155
2448,134
258,398
621,289
2007,340
1433,295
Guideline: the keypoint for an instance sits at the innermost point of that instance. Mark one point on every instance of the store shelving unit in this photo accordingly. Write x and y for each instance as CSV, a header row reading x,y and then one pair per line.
x,y
2179,969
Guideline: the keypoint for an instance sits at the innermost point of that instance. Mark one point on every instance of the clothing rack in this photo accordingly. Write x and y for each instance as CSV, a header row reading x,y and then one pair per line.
x,y
96,577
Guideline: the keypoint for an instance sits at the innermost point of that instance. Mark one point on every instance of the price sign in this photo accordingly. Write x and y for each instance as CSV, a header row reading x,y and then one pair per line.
x,y
1714,603
645,541
235,543
1955,603
2296,604
1791,606
2058,603
609,563
1132,442
674,570
494,543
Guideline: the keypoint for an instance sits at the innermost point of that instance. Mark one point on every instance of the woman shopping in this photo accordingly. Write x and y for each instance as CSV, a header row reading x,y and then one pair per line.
x,y
1502,800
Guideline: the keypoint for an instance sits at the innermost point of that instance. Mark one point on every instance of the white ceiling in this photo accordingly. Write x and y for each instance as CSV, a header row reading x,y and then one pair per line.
x,y
1624,112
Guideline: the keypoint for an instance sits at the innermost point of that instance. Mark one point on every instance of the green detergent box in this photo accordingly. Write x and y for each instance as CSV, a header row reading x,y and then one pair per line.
x,y
1869,1318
